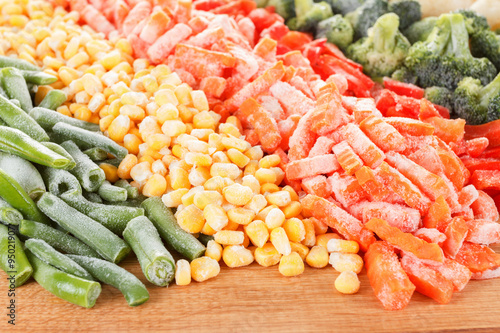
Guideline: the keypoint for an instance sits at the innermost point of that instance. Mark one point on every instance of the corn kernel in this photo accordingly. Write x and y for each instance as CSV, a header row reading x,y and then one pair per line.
x,y
215,142
291,264
191,219
229,129
141,172
257,232
78,59
341,245
323,240
294,229
118,128
229,237
275,218
132,142
280,198
167,112
174,198
231,226
301,249
199,100
182,273
347,283
203,119
83,113
237,157
280,241
63,109
204,268
269,188
267,255
241,215
204,198
319,226
269,161
310,237
146,158
237,194
217,219
179,178
202,133
214,250
207,230
225,170
292,210
255,153
280,175
134,112
238,144
346,262
263,213
155,186
110,171
126,166
265,176
92,84
317,257
159,168
173,127
237,256
170,79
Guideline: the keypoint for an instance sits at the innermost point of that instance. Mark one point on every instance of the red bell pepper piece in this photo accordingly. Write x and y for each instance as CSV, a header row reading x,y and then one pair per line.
x,y
403,89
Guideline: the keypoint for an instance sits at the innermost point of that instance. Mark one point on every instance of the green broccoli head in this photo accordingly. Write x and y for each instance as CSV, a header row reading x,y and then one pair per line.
x,y
285,8
486,43
384,50
419,31
365,16
337,30
440,95
473,21
309,14
409,12
444,58
403,74
344,6
476,103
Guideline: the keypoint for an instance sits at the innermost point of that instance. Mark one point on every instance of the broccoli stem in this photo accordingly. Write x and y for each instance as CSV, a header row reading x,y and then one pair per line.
x,y
490,91
302,7
384,33
459,36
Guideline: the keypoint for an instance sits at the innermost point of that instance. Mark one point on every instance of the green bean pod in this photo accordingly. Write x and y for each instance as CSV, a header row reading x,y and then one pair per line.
x,y
132,192
60,181
48,118
63,285
89,231
156,262
18,63
90,176
38,78
112,217
92,197
58,239
9,214
51,256
16,118
112,193
87,139
12,257
61,151
204,239
24,173
13,193
15,86
183,242
18,143
14,101
96,154
130,286
54,99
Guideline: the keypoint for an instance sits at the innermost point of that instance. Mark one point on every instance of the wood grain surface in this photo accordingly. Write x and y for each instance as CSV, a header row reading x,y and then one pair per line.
x,y
253,299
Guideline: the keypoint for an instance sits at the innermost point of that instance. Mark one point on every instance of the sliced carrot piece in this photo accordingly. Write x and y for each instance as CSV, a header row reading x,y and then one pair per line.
x,y
454,169
371,155
287,128
322,146
427,281
430,235
302,140
96,20
438,215
300,84
317,185
448,130
484,207
266,49
477,258
404,218
384,135
366,178
405,241
273,106
206,38
120,13
347,190
292,99
198,24
457,273
251,136
347,158
410,126
165,44
388,279
337,218
328,114
455,232
487,274
311,166
213,86
156,25
138,13
483,232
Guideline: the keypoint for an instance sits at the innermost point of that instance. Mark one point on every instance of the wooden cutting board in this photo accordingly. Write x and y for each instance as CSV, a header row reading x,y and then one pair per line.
x,y
254,299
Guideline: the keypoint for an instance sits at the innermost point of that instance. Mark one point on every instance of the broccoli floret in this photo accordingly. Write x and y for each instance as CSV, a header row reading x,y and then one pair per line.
x,y
384,50
409,12
444,58
261,3
476,103
486,43
440,95
473,21
344,6
404,75
308,15
419,31
285,8
364,17
337,30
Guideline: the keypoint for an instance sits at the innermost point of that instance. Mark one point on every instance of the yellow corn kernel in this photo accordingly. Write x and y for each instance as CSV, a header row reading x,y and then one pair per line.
x,y
238,144
265,176
317,257
310,237
82,97
347,283
241,215
174,198
160,70
105,122
204,268
197,146
214,250
269,188
294,229
199,100
291,264
267,255
229,129
148,126
251,182
292,210
63,109
203,119
198,159
341,245
274,218
166,112
216,183
110,171
111,59
225,170
186,113
132,142
280,241
182,273
257,232
221,157
188,198
159,168
83,113
72,48
171,79
293,195
155,186
204,198
179,151
183,94
257,203
237,157
229,237
232,226
280,175
207,230
134,98
246,240
320,227
18,20
173,128
141,172
158,141
118,128
251,168
215,141
254,153
269,161
346,262
164,97
94,119
147,158
198,176
134,112
179,178
237,194
280,198
324,239
264,211
96,102
301,249
78,59
216,217
202,133
237,256
126,165
191,219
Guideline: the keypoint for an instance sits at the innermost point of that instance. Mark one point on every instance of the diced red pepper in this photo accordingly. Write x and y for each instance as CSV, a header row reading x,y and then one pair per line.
x,y
486,179
404,89
490,130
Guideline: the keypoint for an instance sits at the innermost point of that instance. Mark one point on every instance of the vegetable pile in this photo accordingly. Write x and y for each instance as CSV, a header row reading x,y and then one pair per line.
x,y
230,137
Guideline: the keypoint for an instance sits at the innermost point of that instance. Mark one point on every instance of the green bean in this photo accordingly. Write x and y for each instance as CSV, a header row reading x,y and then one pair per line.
x,y
51,256
112,217
3,123
61,151
12,257
58,239
89,231
24,173
86,139
15,86
15,102
18,63
156,262
63,285
9,214
90,176
96,154
130,286
18,119
127,203
92,197
48,118
13,193
38,78
112,193
183,242
54,99
132,192
204,239
60,181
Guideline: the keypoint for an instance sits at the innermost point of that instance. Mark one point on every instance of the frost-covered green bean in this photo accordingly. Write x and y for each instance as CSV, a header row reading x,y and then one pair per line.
x,y
132,192
96,154
14,85
60,181
48,118
112,193
54,99
12,257
24,173
61,151
16,118
9,214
